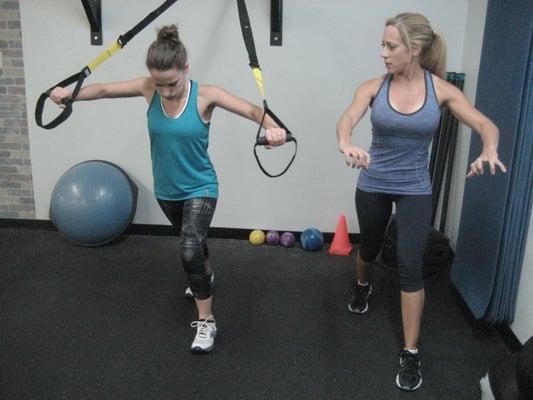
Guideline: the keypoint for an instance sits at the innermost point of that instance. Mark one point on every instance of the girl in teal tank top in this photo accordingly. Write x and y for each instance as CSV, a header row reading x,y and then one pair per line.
x,y
185,182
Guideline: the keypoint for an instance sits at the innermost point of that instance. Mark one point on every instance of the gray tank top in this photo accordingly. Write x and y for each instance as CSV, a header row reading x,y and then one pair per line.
x,y
400,143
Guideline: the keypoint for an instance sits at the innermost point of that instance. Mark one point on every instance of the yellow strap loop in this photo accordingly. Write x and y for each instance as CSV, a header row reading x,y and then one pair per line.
x,y
104,56
258,75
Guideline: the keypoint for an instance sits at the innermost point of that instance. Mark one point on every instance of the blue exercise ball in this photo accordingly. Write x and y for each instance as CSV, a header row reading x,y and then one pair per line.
x,y
93,202
312,239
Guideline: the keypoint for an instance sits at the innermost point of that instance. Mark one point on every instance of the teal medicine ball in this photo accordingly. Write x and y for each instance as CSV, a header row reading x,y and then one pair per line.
x,y
312,239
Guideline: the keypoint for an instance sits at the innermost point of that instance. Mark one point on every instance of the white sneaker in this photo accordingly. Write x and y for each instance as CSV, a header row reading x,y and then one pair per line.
x,y
206,330
188,291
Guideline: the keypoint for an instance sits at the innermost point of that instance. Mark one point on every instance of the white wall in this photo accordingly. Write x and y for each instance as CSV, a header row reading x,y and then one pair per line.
x,y
329,47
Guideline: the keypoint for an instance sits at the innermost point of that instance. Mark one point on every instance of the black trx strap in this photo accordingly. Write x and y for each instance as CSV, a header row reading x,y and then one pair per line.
x,y
89,68
258,75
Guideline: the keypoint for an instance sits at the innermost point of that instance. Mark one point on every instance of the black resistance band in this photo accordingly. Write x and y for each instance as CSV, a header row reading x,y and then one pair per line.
x,y
258,75
89,68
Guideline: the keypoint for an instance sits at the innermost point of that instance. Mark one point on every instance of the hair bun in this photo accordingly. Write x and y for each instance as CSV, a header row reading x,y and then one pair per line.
x,y
170,33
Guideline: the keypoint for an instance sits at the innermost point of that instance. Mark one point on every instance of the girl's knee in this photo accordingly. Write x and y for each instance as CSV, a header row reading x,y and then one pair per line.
x,y
192,252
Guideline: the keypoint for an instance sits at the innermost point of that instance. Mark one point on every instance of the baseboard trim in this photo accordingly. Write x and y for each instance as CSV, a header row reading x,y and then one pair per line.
x,y
156,230
36,224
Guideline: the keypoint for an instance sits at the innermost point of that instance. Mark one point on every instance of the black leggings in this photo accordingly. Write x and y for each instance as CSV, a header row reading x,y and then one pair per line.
x,y
413,224
192,218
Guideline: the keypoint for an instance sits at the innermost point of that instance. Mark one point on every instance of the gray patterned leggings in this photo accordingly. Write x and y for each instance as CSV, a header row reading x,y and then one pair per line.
x,y
192,218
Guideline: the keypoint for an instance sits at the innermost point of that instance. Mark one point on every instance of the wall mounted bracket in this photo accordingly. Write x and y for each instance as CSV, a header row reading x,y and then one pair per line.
x,y
93,9
276,22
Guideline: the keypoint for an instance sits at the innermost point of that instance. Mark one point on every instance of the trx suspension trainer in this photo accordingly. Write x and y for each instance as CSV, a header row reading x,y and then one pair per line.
x,y
258,75
89,68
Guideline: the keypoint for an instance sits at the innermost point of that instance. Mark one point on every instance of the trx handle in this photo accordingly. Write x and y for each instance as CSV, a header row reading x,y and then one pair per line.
x,y
89,68
79,77
261,141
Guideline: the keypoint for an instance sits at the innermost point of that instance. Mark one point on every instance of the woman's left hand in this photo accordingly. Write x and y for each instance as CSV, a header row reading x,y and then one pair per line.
x,y
275,137
487,156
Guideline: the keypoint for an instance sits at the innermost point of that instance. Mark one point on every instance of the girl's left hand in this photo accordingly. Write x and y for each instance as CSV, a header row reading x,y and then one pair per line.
x,y
491,157
275,137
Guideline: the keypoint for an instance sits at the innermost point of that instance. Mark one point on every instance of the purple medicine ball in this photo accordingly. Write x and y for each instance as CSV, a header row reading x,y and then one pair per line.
x,y
287,239
272,238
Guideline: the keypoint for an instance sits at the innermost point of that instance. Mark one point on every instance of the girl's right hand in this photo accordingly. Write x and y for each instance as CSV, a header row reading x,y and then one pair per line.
x,y
355,157
58,94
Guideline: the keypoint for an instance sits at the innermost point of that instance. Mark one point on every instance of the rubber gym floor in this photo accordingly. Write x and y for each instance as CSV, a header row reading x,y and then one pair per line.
x,y
111,322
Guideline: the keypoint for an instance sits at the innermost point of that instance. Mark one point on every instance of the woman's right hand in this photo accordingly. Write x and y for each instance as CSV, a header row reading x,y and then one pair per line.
x,y
355,157
58,94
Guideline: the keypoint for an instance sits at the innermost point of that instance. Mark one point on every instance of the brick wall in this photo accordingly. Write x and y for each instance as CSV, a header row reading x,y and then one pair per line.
x,y
16,185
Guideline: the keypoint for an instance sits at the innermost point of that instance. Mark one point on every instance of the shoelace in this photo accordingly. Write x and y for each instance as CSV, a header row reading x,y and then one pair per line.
x,y
361,292
203,327
409,363
363,289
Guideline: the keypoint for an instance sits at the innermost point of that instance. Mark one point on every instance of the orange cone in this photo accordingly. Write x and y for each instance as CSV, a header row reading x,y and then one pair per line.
x,y
341,245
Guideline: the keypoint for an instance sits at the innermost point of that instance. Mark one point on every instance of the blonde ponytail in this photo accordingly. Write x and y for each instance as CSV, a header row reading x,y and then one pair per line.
x,y
433,58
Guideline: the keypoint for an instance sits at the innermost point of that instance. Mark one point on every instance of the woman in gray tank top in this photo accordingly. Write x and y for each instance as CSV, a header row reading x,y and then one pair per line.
x,y
405,114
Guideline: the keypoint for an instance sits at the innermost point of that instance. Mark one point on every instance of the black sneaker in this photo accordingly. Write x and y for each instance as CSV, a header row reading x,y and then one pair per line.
x,y
359,302
409,376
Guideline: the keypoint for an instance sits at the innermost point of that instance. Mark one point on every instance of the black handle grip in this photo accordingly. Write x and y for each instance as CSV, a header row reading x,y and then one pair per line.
x,y
59,119
261,140
78,77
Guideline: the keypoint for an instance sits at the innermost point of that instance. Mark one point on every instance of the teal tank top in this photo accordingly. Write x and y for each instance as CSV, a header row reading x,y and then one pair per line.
x,y
180,164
